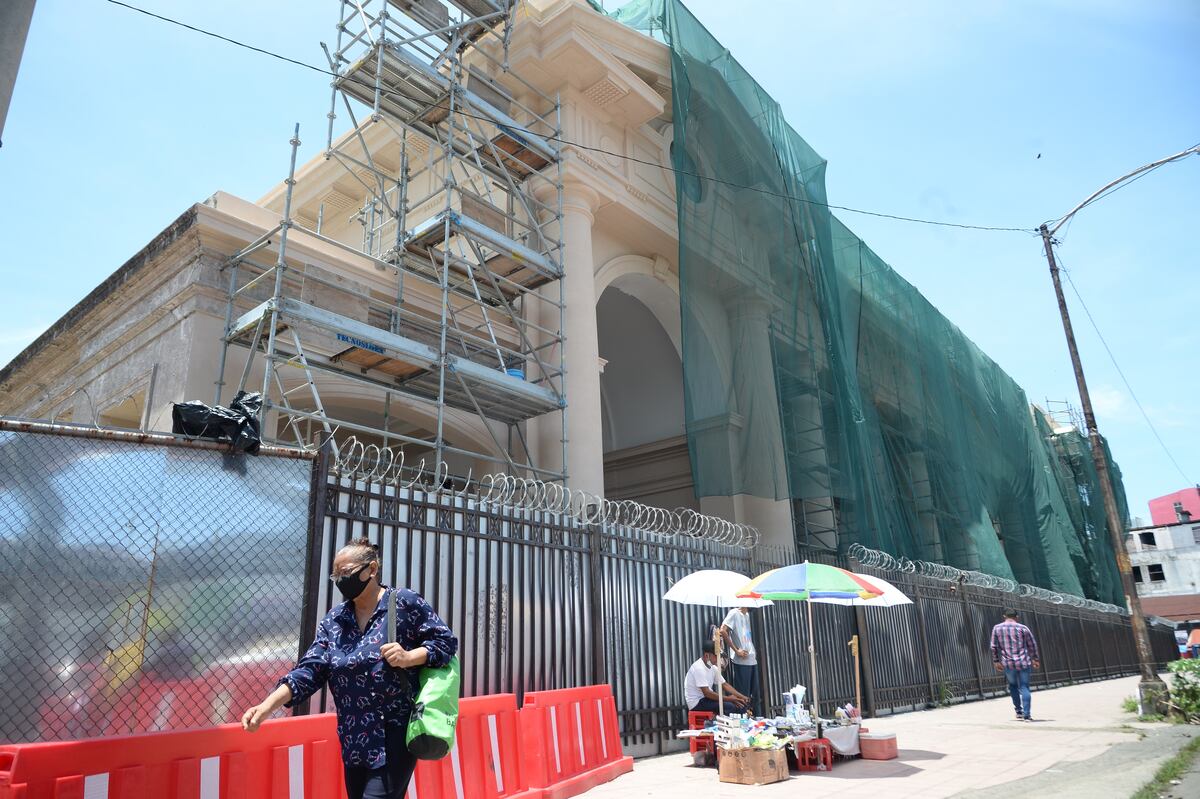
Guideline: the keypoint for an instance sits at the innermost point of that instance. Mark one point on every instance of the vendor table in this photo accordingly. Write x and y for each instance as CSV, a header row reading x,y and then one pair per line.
x,y
843,739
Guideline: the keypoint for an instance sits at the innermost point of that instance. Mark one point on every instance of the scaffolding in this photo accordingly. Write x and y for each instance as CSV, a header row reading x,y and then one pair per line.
x,y
461,180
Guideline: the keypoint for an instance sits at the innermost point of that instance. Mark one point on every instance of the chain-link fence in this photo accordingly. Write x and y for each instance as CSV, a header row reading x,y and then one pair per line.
x,y
146,583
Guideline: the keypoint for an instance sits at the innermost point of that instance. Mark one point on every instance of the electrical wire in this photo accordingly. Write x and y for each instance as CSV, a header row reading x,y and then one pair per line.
x,y
1117,366
1063,236
1113,189
580,146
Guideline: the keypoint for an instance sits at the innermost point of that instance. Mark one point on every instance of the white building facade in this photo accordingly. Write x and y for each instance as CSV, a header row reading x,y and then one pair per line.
x,y
1166,568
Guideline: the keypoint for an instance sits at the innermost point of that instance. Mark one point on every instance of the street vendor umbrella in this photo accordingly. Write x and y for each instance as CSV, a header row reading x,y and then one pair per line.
x,y
890,597
715,588
810,581
813,582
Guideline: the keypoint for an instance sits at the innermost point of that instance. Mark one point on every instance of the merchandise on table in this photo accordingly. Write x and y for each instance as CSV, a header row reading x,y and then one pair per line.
x,y
744,732
846,715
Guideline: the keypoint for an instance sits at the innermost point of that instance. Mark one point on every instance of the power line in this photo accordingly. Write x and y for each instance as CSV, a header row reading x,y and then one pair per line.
x,y
1106,194
578,145
1117,366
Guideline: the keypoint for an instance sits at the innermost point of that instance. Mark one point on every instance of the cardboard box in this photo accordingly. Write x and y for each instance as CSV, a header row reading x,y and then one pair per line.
x,y
753,766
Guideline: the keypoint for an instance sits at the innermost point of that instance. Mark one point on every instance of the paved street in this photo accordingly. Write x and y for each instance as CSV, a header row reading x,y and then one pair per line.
x,y
962,750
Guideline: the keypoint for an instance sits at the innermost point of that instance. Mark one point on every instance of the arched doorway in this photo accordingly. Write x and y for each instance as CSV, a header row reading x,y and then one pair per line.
x,y
641,387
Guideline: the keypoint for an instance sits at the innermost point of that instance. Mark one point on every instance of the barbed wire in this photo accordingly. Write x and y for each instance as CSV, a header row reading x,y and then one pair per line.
x,y
876,559
387,466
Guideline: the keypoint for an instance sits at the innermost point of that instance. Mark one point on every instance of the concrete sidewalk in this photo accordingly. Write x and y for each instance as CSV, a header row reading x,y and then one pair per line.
x,y
964,749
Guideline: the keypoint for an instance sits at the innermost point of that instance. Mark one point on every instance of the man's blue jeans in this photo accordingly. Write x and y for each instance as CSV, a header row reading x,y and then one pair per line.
x,y
1018,687
745,680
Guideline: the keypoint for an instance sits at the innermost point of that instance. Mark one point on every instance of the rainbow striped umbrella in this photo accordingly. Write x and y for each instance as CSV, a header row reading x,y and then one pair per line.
x,y
814,581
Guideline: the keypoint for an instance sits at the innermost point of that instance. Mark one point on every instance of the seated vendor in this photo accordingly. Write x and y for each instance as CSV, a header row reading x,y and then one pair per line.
x,y
702,678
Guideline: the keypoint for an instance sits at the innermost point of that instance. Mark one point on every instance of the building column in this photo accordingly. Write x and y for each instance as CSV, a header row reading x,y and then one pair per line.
x,y
585,445
757,398
757,453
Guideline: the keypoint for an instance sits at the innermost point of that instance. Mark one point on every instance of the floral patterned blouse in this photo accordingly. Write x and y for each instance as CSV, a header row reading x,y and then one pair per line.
x,y
371,696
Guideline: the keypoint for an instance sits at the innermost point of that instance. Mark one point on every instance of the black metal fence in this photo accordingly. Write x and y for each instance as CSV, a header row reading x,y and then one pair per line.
x,y
146,583
149,583
540,602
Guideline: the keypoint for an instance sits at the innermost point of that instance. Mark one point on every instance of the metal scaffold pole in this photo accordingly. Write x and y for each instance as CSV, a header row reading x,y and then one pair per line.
x,y
280,269
442,186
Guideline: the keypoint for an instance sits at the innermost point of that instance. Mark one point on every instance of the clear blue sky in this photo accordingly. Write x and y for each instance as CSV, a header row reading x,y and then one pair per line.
x,y
929,109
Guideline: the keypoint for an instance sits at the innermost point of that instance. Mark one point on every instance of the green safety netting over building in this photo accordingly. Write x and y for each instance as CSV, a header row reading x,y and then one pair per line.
x,y
815,373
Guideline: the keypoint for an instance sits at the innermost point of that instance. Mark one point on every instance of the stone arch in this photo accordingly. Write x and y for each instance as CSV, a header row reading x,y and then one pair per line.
x,y
652,282
641,385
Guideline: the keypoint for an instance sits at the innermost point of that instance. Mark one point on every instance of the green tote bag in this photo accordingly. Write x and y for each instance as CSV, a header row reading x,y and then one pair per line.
x,y
435,713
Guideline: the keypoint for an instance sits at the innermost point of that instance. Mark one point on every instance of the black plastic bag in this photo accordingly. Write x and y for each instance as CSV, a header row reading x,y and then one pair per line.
x,y
236,425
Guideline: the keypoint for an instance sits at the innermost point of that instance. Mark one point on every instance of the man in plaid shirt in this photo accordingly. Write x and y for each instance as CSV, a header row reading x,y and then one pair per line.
x,y
1015,652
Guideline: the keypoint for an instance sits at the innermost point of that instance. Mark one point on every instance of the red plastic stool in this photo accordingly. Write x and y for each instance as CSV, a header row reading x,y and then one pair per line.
x,y
696,719
814,755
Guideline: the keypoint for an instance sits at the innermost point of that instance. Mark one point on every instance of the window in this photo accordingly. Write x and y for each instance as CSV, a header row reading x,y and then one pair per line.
x,y
1147,539
1196,534
1155,571
1137,574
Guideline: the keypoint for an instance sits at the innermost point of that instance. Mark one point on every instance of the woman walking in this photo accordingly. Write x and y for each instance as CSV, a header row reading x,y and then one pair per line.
x,y
373,681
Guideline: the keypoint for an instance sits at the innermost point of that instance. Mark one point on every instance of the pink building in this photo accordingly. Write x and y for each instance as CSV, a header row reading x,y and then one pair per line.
x,y
1165,510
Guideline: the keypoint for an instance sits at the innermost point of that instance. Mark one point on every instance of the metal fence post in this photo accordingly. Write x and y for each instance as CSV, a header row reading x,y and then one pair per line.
x,y
309,607
924,642
596,569
861,627
1066,646
969,619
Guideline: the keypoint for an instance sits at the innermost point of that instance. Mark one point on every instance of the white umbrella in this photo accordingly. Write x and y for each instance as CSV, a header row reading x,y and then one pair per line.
x,y
715,588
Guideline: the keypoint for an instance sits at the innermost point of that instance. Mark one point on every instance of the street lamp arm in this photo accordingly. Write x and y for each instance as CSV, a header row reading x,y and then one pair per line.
x,y
1195,150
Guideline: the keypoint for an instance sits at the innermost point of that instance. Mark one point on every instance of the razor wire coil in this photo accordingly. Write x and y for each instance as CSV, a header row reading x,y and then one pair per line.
x,y
876,559
372,463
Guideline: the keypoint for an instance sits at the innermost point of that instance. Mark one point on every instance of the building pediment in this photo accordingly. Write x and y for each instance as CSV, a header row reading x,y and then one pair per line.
x,y
570,56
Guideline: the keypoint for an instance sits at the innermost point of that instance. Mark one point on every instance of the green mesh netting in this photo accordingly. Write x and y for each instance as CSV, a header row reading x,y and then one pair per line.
x,y
813,372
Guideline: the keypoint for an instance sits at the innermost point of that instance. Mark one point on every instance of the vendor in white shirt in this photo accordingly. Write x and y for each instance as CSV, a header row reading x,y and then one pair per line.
x,y
702,682
736,632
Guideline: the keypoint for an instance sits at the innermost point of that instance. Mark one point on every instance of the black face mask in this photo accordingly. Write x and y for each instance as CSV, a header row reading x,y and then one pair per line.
x,y
351,585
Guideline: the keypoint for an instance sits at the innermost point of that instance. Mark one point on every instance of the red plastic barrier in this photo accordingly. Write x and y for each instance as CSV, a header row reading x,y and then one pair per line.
x,y
571,740
559,745
287,759
297,758
485,762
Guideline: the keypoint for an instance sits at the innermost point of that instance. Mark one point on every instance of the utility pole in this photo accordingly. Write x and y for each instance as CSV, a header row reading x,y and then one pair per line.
x,y
1152,691
14,28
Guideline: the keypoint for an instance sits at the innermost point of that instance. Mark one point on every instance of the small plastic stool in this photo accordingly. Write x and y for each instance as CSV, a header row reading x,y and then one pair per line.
x,y
696,719
814,755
